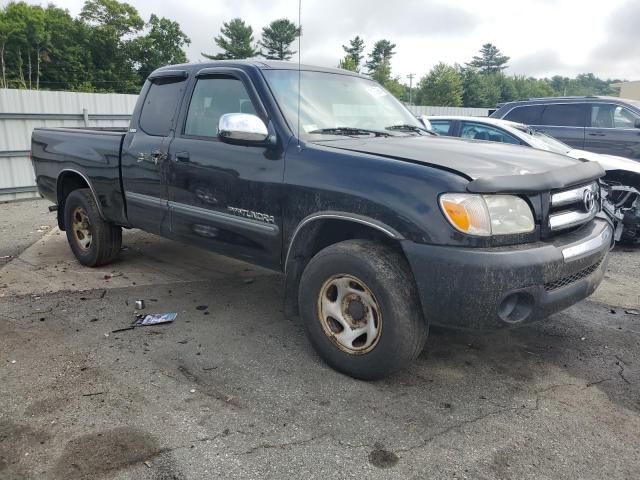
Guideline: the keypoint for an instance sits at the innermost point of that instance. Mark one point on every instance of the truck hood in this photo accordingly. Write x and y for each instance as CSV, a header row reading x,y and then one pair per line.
x,y
469,158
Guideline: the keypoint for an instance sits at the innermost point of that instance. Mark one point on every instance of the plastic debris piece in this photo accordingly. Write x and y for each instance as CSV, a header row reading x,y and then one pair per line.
x,y
632,311
153,319
139,304
193,390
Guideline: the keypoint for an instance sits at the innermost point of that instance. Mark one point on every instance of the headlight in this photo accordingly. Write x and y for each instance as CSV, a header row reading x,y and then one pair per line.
x,y
486,215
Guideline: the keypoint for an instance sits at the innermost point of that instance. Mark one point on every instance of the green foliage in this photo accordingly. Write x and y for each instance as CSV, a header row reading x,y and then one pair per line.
x,y
379,62
236,41
162,45
490,60
354,54
348,63
277,38
442,86
101,50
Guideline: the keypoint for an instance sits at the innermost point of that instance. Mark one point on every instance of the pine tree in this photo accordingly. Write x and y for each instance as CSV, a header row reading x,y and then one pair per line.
x,y
490,60
379,62
354,54
277,38
236,41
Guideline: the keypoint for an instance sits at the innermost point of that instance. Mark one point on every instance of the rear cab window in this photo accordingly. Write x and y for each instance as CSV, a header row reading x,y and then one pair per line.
x,y
161,106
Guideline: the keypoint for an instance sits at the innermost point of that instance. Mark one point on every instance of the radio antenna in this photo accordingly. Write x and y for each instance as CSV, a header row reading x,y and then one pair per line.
x,y
299,64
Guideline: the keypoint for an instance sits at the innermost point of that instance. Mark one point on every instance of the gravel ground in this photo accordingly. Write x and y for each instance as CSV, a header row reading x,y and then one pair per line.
x,y
232,388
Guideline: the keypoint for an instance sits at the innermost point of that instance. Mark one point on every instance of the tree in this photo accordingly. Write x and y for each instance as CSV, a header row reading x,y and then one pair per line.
x,y
347,63
108,23
490,60
379,62
122,18
354,53
162,45
236,41
277,38
442,86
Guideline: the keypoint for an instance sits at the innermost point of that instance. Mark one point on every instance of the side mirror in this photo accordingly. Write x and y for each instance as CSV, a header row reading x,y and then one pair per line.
x,y
242,128
637,123
425,121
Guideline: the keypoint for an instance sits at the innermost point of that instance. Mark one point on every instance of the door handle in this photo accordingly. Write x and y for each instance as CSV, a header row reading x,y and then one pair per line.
x,y
182,156
158,156
596,134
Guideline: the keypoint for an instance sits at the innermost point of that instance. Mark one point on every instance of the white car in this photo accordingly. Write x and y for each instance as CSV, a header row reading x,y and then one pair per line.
x,y
623,174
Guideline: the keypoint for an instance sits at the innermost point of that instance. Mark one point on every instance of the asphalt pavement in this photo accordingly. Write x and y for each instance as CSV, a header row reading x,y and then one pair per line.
x,y
232,388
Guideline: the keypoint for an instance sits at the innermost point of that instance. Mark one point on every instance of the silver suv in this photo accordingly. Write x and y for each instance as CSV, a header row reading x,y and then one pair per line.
x,y
598,124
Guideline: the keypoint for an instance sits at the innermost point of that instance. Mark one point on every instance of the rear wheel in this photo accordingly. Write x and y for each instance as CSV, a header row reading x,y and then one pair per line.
x,y
93,241
361,310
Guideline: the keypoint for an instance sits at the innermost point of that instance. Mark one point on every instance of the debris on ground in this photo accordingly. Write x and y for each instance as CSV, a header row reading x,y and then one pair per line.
x,y
249,281
139,304
153,319
202,307
632,311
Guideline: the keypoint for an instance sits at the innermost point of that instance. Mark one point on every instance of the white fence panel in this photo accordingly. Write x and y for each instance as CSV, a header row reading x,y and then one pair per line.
x,y
23,110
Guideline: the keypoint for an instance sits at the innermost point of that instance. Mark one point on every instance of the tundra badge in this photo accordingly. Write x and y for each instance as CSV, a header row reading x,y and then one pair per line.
x,y
241,212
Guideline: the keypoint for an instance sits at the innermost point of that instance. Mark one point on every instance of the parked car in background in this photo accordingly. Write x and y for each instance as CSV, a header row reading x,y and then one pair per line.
x,y
607,125
623,175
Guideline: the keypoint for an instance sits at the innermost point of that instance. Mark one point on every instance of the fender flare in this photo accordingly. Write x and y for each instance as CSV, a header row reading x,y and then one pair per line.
x,y
88,182
345,216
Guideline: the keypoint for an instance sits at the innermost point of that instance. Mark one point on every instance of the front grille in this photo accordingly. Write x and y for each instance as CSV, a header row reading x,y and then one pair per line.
x,y
573,207
566,281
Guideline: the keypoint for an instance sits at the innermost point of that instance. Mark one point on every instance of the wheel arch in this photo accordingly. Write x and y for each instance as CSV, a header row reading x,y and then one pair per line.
x,y
69,180
320,230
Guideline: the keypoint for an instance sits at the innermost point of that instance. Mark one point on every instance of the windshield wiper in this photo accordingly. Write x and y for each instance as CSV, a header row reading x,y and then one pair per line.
x,y
411,128
350,131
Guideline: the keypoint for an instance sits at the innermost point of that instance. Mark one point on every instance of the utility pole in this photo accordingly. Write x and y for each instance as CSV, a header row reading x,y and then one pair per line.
x,y
410,77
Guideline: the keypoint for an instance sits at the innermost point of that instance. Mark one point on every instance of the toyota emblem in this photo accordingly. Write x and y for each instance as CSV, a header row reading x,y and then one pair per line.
x,y
589,200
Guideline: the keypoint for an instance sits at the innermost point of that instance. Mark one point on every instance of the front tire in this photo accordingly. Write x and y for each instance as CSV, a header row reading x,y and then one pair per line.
x,y
93,241
360,309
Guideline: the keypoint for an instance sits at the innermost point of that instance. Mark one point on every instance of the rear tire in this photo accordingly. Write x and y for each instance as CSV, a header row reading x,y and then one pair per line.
x,y
93,241
362,286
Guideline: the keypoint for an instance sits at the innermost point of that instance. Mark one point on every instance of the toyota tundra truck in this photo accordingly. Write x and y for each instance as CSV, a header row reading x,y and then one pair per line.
x,y
380,228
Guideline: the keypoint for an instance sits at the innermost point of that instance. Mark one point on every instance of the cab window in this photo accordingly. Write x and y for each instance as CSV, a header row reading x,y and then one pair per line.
x,y
476,131
529,115
160,106
213,97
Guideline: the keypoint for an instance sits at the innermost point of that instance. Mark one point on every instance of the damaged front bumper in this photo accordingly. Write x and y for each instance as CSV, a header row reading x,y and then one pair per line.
x,y
488,288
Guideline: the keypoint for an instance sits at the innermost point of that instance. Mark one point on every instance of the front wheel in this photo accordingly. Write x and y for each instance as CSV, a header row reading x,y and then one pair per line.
x,y
360,309
93,241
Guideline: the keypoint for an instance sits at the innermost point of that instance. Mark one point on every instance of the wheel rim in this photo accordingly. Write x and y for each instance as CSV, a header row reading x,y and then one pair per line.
x,y
82,229
349,314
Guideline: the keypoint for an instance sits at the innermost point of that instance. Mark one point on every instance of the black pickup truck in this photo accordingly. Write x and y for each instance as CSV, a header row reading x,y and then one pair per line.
x,y
380,228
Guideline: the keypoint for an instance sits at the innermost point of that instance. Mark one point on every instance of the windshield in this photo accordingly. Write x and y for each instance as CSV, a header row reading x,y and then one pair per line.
x,y
339,104
543,141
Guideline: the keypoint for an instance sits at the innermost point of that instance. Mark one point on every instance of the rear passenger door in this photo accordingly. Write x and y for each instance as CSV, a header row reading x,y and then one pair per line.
x,y
564,121
612,130
144,152
222,196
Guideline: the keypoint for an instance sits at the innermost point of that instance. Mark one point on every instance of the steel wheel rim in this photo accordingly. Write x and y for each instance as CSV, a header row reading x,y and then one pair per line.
x,y
81,228
341,300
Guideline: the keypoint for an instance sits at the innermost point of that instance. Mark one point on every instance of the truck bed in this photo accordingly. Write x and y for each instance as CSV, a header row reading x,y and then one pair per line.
x,y
91,154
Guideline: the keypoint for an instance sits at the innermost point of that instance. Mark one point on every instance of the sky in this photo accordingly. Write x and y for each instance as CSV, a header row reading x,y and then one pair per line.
x,y
542,37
